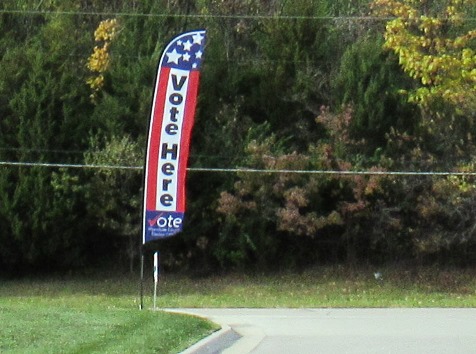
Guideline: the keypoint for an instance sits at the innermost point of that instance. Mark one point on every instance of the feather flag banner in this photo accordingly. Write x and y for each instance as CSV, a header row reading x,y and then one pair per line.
x,y
168,145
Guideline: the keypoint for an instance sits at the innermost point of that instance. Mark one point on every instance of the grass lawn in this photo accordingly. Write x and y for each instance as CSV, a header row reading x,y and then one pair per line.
x,y
88,316
99,313
325,287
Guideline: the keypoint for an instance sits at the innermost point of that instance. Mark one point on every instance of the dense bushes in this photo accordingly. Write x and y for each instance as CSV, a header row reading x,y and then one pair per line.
x,y
285,86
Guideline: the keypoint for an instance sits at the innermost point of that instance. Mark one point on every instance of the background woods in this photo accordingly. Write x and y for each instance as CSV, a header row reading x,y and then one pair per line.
x,y
319,85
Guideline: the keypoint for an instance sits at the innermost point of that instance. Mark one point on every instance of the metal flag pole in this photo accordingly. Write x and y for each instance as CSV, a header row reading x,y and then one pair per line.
x,y
156,276
141,305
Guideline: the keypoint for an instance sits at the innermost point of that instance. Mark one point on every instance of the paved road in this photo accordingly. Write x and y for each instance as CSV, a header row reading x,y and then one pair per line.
x,y
340,331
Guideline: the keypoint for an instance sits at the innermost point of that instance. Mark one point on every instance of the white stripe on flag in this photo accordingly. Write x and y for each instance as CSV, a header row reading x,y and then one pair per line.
x,y
170,140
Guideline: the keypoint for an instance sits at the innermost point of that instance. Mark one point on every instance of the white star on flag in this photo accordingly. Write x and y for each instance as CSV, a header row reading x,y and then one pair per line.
x,y
199,54
186,57
173,57
187,46
198,38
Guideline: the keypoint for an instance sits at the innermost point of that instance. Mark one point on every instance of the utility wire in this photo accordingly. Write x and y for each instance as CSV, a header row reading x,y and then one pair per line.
x,y
206,16
333,172
41,151
65,165
33,152
244,170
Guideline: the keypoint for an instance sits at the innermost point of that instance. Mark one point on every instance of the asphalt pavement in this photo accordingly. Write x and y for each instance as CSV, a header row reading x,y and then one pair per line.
x,y
429,330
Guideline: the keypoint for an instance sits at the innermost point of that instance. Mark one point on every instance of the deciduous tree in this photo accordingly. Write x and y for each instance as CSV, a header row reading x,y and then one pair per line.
x,y
435,45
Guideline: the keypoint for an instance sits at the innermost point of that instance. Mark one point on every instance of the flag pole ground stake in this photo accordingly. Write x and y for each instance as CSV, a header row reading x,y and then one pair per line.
x,y
141,305
156,276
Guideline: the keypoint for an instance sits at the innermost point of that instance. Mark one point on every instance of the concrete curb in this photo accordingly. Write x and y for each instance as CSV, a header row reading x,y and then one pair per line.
x,y
215,343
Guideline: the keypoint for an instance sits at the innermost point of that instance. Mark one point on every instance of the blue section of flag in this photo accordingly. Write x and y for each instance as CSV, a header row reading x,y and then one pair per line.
x,y
160,224
185,52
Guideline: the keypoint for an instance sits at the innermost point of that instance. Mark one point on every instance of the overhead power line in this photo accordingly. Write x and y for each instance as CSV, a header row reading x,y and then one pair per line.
x,y
206,16
334,172
65,165
246,170
237,16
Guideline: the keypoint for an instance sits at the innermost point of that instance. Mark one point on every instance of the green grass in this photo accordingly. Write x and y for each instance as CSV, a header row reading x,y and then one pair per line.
x,y
88,316
328,287
99,313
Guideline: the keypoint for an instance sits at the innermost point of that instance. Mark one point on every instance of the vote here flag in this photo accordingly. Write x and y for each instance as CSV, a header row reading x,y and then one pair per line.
x,y
168,145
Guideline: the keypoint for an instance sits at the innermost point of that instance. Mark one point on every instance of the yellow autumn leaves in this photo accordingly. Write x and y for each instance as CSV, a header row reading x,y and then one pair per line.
x,y
434,48
99,60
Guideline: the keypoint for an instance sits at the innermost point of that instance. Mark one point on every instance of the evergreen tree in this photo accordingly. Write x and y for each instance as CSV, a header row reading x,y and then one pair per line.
x,y
45,120
369,80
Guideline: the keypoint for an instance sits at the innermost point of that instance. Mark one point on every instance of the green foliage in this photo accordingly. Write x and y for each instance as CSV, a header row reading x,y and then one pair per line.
x,y
44,104
368,80
113,196
284,86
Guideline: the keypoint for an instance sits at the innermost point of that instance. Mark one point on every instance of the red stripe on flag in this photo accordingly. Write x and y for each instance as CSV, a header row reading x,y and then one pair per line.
x,y
189,119
154,139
